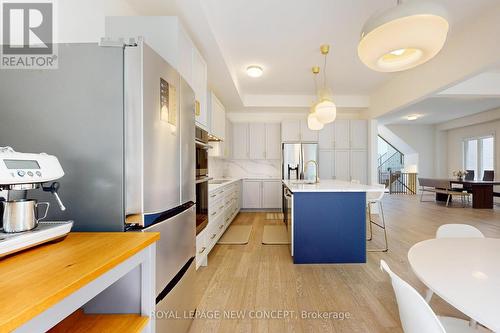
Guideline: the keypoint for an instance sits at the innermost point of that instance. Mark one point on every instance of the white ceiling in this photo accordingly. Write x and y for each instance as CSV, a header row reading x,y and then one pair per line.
x,y
437,110
284,37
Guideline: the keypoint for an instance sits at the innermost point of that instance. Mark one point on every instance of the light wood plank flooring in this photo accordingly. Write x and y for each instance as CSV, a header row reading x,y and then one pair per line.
x,y
254,278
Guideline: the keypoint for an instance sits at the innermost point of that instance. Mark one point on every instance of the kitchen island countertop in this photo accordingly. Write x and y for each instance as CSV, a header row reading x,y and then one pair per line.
x,y
329,186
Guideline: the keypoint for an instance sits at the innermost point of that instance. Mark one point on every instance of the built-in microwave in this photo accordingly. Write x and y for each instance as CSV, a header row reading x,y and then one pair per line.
x,y
202,147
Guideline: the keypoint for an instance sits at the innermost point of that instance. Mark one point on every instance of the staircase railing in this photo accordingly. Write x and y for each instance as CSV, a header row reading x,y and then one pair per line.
x,y
399,182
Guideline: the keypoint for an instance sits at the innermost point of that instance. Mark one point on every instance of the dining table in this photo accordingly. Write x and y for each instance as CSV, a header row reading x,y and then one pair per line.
x,y
464,272
481,190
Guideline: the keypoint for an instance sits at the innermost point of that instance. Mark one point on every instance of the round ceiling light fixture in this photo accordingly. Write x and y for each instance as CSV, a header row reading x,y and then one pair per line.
x,y
255,71
412,117
404,36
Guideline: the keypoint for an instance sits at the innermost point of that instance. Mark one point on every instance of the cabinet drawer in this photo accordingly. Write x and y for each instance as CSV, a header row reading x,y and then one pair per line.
x,y
216,195
201,244
215,209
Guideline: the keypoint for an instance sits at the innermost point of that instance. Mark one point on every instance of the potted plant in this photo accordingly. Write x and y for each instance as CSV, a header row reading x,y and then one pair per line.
x,y
460,174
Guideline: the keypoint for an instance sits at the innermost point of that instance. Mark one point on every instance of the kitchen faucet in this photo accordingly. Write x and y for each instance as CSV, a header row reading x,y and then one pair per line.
x,y
316,164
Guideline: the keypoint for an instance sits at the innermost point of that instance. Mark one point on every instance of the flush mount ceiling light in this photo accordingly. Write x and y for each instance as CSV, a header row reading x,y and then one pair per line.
x,y
412,117
404,36
325,110
255,71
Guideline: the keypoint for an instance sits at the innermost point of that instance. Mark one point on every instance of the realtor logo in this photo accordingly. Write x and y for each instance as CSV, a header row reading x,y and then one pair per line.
x,y
27,35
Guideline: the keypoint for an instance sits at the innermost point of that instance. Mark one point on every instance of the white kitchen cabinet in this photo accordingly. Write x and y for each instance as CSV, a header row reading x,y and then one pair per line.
x,y
341,134
358,134
273,141
240,141
199,73
252,194
326,136
297,131
307,135
218,117
290,131
342,165
271,194
326,164
257,141
358,166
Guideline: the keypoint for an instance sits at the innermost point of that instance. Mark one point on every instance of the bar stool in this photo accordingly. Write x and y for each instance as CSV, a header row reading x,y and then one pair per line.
x,y
376,198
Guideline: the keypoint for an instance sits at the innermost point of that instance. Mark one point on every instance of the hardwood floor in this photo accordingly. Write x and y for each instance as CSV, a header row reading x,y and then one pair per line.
x,y
256,279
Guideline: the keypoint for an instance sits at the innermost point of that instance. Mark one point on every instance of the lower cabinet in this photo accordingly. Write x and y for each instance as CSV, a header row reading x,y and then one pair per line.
x,y
223,206
262,194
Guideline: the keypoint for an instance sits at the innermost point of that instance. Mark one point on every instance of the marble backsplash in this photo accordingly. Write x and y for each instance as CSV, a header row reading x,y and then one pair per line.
x,y
259,169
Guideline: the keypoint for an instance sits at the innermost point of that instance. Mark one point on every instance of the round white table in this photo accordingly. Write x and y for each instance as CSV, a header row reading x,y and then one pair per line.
x,y
463,272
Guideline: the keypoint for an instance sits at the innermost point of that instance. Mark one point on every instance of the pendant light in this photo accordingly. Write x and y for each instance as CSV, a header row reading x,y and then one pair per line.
x,y
325,109
312,120
403,37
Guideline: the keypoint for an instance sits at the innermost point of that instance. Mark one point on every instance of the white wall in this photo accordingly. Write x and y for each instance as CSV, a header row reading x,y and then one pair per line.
x,y
422,139
83,20
456,137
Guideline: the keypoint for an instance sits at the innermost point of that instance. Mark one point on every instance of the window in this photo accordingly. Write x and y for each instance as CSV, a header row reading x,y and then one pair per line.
x,y
479,155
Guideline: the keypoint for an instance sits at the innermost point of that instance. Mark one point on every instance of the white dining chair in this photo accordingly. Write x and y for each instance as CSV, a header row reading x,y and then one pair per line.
x,y
454,230
458,231
417,316
376,198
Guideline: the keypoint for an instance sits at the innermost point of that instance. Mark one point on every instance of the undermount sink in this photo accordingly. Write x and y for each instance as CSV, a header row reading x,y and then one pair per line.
x,y
218,181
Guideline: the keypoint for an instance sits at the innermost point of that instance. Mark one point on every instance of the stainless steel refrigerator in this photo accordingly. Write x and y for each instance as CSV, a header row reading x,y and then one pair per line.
x,y
121,121
295,158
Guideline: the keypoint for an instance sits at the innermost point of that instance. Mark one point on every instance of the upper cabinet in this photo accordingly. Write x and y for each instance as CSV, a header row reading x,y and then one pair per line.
x,y
297,131
256,141
167,36
240,141
273,141
359,134
200,89
290,130
341,134
218,117
327,136
344,134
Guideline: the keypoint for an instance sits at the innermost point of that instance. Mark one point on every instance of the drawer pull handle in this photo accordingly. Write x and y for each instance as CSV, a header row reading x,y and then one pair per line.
x,y
221,207
213,195
213,236
221,226
213,213
202,250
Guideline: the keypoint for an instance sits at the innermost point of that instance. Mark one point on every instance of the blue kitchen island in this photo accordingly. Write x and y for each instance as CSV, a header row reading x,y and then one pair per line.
x,y
327,221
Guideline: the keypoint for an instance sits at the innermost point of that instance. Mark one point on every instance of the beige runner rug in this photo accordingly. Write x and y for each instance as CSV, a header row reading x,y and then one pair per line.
x,y
275,235
236,235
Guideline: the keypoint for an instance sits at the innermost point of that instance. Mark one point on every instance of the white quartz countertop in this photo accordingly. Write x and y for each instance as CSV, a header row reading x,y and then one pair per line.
x,y
226,182
329,186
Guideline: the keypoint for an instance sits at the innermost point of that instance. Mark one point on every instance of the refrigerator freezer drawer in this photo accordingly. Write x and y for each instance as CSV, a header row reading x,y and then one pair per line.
x,y
174,311
176,246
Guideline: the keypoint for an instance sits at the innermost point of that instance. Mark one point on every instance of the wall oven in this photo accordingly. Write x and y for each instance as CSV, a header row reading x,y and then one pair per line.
x,y
202,179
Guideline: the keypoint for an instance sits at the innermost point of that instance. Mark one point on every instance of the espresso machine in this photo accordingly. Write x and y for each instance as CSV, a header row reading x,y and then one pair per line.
x,y
21,224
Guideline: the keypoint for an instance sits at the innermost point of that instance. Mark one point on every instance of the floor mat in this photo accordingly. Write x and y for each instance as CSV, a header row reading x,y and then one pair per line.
x,y
236,235
275,235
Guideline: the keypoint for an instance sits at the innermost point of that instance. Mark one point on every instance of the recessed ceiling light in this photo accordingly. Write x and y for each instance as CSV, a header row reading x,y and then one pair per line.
x,y
254,71
412,117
